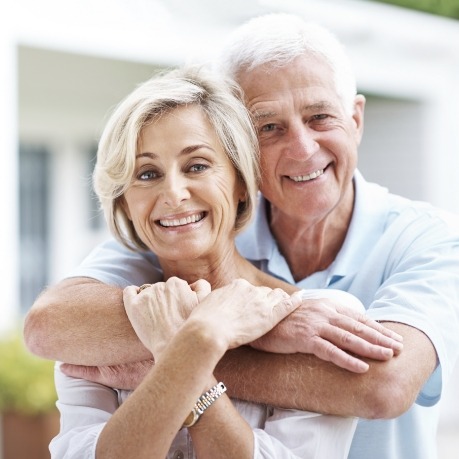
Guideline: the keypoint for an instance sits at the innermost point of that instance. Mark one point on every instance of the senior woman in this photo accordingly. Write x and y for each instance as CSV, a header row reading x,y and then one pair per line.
x,y
177,174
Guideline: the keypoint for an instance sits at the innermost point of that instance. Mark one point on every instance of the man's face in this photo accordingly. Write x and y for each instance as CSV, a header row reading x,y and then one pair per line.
x,y
308,143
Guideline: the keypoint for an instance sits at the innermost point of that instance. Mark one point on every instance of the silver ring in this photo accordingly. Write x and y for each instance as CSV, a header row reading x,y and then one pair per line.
x,y
143,287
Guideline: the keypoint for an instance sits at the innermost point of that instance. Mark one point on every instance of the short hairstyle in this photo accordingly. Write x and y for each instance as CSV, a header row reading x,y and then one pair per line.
x,y
278,38
221,101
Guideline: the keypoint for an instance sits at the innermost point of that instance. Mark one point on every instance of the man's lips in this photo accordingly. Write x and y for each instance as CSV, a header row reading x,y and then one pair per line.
x,y
306,178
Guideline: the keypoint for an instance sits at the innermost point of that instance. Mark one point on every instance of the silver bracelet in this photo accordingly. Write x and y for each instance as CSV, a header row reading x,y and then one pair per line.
x,y
203,402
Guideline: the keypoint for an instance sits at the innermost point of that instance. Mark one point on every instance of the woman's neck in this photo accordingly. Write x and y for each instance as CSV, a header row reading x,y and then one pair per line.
x,y
221,269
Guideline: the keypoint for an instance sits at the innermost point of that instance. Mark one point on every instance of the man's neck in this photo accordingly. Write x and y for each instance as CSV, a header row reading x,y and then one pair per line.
x,y
311,246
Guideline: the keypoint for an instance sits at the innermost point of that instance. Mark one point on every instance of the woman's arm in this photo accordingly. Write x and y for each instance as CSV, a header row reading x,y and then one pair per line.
x,y
187,354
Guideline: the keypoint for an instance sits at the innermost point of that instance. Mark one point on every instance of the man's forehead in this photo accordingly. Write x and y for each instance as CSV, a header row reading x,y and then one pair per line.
x,y
265,110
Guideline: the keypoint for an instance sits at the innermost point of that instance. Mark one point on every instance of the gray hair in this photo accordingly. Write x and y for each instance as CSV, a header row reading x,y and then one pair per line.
x,y
278,38
220,100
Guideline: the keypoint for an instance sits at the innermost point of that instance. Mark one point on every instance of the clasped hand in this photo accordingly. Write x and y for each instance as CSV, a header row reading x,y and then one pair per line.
x,y
322,327
233,315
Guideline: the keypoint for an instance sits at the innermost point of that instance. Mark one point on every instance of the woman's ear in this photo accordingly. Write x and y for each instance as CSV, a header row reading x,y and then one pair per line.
x,y
124,206
241,190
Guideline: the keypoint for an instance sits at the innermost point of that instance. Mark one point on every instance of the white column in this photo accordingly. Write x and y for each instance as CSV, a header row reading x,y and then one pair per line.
x,y
9,189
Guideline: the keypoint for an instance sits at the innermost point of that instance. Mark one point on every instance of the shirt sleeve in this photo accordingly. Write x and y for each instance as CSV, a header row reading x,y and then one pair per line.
x,y
112,263
290,434
420,288
344,298
82,419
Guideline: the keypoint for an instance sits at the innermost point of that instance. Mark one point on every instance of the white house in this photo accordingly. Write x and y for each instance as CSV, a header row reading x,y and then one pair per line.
x,y
64,64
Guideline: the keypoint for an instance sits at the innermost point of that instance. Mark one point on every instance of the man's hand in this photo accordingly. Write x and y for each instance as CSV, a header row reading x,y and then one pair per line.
x,y
127,376
333,333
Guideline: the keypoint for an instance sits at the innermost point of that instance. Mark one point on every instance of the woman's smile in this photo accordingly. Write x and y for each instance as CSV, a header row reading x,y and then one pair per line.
x,y
174,222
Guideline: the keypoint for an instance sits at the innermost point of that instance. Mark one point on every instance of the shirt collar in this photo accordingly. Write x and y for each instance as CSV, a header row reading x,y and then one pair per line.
x,y
256,242
367,224
368,221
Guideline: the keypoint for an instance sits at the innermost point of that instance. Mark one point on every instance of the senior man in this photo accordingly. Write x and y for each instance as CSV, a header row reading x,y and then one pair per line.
x,y
319,225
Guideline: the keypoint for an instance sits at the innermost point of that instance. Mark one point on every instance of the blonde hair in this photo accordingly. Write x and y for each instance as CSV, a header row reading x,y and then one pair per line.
x,y
220,100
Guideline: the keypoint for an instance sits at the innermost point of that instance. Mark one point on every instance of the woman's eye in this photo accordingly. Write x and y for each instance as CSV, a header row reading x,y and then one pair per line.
x,y
147,175
198,168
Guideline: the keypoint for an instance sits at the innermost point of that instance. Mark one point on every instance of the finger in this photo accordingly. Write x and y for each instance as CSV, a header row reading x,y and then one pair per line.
x,y
143,287
202,288
331,353
286,305
369,322
355,344
80,371
364,328
130,292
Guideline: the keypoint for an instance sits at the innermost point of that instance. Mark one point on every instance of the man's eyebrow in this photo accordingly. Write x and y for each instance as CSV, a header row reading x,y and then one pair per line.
x,y
322,105
260,115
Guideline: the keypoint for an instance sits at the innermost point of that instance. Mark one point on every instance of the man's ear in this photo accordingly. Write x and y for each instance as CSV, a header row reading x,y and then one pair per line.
x,y
358,115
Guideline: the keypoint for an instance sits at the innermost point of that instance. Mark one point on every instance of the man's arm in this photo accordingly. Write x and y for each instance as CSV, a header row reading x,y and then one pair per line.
x,y
82,321
305,382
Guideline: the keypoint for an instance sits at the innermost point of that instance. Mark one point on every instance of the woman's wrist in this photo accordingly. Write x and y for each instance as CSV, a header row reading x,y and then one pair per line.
x,y
204,337
204,402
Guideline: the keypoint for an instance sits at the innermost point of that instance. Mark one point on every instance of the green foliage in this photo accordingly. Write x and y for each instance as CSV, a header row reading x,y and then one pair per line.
x,y
448,8
26,381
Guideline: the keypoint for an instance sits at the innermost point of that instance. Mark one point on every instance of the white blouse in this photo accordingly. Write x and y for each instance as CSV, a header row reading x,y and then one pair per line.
x,y
85,408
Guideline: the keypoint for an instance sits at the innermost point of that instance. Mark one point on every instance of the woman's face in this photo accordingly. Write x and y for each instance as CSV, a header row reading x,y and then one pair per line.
x,y
184,193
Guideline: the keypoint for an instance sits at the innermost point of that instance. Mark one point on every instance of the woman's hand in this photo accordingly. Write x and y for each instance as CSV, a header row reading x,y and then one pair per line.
x,y
240,312
158,311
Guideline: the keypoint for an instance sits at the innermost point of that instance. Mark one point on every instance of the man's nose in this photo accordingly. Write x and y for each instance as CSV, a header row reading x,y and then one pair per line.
x,y
301,142
175,190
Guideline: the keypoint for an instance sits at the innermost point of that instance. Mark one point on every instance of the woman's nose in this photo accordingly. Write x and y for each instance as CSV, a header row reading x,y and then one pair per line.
x,y
175,190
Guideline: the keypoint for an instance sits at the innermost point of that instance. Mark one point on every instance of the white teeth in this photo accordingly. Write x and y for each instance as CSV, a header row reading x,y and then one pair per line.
x,y
305,178
182,221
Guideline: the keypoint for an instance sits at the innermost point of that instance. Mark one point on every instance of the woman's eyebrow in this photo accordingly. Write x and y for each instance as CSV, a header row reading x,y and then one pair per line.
x,y
146,154
185,151
193,148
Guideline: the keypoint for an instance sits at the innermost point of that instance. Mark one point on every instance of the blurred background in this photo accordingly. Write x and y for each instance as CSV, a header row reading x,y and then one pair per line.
x,y
65,64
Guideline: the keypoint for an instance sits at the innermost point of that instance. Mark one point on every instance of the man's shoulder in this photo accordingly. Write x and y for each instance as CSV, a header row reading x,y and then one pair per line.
x,y
112,263
390,207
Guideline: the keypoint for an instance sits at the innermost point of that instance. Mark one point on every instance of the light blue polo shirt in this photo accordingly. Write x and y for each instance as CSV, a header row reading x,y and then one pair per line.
x,y
400,258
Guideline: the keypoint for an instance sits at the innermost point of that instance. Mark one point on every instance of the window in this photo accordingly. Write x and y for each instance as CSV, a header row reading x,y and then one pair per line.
x,y
33,222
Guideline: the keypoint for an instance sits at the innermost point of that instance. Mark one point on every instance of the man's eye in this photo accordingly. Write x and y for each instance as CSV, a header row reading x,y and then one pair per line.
x,y
268,127
320,117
